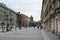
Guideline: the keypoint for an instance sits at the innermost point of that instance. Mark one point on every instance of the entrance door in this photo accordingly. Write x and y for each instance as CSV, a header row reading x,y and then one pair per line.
x,y
53,25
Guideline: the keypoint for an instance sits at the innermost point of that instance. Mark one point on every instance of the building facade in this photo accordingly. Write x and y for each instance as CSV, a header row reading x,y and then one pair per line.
x,y
18,20
7,18
50,16
31,21
24,20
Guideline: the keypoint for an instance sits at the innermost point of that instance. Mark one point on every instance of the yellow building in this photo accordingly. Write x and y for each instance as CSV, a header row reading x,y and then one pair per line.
x,y
50,16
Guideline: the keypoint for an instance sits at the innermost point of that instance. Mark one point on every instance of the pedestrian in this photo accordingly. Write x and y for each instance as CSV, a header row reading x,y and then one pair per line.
x,y
41,27
38,26
53,31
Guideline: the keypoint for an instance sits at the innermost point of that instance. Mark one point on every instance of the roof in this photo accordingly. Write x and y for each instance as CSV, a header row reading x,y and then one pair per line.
x,y
31,17
5,7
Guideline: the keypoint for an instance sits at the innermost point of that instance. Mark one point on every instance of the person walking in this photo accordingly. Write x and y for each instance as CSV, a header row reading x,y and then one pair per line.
x,y
41,27
38,26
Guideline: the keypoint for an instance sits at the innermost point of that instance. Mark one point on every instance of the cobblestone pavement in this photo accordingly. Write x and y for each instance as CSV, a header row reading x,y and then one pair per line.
x,y
25,34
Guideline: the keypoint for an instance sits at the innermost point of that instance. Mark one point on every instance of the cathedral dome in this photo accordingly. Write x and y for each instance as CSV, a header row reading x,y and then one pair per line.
x,y
31,17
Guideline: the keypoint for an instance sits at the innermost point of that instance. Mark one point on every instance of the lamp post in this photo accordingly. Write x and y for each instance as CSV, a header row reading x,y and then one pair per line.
x,y
11,22
26,22
20,24
7,24
2,27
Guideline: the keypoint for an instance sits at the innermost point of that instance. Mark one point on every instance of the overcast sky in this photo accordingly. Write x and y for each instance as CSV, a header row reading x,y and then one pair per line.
x,y
27,7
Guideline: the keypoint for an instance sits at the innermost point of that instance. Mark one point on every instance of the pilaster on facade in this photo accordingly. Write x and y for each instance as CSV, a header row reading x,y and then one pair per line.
x,y
51,15
7,17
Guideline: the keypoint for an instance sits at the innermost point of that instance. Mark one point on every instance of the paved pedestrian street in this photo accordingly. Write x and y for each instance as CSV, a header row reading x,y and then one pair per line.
x,y
24,34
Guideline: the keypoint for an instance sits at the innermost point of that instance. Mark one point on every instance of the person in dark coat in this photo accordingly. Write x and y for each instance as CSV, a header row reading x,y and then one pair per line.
x,y
41,27
38,26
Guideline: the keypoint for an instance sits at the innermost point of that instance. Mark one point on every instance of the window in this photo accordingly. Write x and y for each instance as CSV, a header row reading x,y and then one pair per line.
x,y
1,13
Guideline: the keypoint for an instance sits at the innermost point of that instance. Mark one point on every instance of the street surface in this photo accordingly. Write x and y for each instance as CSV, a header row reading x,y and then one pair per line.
x,y
24,34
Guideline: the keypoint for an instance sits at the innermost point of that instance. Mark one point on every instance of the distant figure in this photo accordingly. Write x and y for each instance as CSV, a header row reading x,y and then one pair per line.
x,y
53,31
41,27
38,26
34,26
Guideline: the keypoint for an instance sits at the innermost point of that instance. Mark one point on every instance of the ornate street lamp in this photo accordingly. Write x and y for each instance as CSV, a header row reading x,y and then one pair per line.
x,y
7,23
11,22
2,27
20,24
19,21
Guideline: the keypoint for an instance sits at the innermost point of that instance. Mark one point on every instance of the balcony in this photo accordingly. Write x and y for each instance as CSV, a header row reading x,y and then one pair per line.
x,y
56,4
51,12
